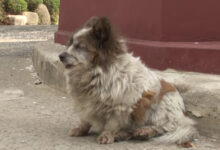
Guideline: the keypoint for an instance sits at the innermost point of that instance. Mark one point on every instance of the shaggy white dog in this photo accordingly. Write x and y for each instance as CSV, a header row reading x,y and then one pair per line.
x,y
115,93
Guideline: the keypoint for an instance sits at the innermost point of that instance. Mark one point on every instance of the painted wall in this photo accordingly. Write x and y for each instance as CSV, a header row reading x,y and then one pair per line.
x,y
162,32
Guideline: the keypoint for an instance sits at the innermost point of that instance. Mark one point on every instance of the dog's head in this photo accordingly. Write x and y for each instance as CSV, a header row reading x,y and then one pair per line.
x,y
95,43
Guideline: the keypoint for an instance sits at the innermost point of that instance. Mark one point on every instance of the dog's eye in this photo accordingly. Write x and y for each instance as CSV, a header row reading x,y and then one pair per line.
x,y
80,46
77,46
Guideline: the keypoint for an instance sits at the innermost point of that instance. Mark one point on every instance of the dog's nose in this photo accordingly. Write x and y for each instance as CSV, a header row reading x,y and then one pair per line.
x,y
62,56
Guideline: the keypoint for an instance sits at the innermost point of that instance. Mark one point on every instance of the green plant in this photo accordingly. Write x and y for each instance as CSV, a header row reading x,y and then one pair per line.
x,y
32,4
16,6
55,18
3,17
1,7
1,12
53,7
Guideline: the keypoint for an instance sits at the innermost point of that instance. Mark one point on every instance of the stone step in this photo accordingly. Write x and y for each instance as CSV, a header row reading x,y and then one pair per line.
x,y
201,92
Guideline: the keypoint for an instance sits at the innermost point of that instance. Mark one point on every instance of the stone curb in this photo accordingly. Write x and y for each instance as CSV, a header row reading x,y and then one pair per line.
x,y
201,92
47,65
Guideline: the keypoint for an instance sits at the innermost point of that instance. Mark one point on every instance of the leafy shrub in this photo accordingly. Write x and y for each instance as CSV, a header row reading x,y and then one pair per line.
x,y
3,16
55,18
53,7
1,7
16,6
1,11
32,4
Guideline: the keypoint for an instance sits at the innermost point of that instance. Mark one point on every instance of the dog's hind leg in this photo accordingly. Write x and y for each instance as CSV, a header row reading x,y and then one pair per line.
x,y
147,132
81,130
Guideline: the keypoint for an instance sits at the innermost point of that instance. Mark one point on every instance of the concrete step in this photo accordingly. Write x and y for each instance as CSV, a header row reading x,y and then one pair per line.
x,y
201,92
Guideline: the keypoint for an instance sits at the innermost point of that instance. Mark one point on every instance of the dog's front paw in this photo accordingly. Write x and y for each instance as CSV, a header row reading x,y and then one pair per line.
x,y
122,136
143,133
106,138
77,132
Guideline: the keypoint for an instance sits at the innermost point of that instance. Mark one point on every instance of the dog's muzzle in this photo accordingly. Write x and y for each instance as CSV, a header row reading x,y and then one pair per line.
x,y
62,56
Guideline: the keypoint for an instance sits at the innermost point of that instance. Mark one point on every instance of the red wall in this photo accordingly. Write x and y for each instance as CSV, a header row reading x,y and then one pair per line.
x,y
172,25
135,19
191,20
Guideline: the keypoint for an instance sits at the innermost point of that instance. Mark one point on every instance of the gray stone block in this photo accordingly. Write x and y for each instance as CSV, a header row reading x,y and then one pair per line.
x,y
44,15
48,66
32,17
17,19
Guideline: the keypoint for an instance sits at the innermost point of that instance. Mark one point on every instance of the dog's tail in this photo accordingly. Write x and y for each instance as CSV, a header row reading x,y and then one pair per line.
x,y
185,132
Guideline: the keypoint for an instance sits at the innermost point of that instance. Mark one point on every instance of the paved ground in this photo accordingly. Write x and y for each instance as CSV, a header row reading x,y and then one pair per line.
x,y
34,116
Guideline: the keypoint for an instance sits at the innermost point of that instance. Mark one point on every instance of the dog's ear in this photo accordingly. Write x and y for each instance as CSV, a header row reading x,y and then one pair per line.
x,y
101,31
91,22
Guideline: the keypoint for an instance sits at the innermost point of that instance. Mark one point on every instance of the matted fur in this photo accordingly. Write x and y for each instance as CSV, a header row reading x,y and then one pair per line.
x,y
106,82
